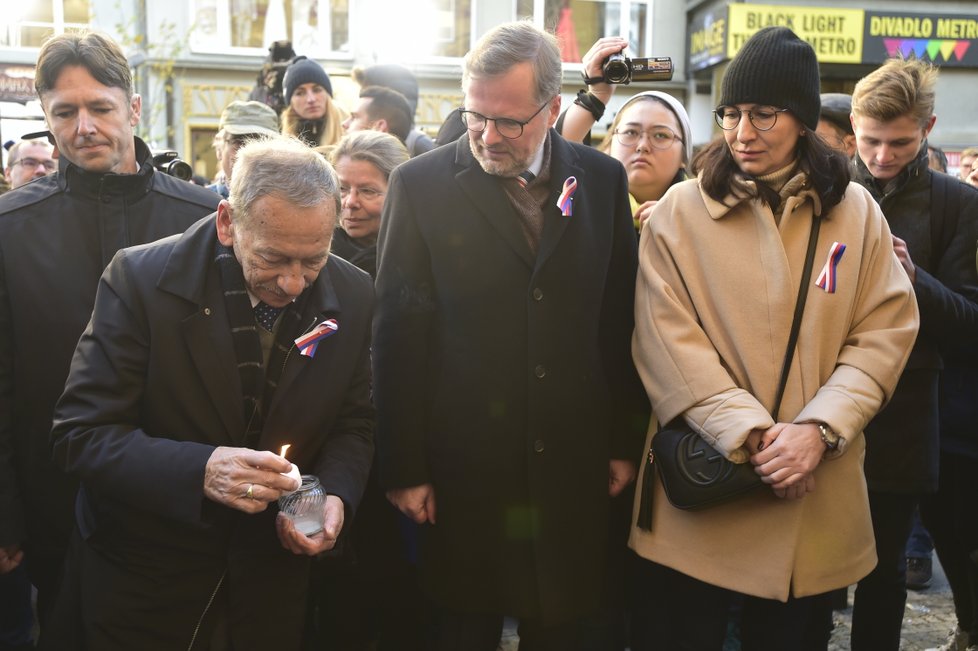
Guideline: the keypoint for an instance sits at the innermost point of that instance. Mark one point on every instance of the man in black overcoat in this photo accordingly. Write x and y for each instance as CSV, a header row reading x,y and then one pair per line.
x,y
206,353
509,411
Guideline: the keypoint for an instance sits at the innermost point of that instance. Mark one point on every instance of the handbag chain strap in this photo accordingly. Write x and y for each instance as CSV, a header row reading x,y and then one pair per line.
x,y
799,310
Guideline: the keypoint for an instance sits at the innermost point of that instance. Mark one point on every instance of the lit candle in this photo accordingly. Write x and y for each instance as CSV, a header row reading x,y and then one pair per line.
x,y
293,472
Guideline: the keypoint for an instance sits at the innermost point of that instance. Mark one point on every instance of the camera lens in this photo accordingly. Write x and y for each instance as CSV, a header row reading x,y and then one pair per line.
x,y
616,69
180,169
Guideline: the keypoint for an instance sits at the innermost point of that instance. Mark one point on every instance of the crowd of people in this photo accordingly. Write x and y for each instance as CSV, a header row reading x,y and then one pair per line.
x,y
375,326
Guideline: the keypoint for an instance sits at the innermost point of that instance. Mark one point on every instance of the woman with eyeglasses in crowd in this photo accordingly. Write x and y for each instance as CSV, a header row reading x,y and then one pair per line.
x,y
721,261
650,134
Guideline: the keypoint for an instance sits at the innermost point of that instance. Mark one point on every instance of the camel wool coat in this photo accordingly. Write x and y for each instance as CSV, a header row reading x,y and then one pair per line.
x,y
715,298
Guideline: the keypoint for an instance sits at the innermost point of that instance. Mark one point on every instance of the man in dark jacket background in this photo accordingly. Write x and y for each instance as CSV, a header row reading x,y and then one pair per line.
x,y
934,220
56,236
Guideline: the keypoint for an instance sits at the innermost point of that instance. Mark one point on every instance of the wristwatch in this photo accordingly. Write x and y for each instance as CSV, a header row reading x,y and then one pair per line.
x,y
829,437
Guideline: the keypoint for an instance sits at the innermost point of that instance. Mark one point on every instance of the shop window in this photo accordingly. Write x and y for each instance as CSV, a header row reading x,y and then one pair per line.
x,y
30,23
579,23
315,27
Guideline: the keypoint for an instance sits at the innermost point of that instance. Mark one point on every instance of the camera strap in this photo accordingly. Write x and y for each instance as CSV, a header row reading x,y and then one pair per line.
x,y
592,80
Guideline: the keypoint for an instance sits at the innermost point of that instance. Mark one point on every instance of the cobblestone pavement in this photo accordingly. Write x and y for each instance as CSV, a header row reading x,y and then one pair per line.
x,y
928,619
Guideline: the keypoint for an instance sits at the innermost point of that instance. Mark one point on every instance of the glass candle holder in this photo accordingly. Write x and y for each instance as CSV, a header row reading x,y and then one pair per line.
x,y
306,506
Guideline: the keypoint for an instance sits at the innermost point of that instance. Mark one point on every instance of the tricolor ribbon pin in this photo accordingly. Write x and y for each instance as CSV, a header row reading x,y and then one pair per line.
x,y
566,200
308,342
826,280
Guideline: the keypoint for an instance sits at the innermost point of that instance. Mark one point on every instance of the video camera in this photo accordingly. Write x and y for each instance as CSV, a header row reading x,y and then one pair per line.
x,y
168,162
619,69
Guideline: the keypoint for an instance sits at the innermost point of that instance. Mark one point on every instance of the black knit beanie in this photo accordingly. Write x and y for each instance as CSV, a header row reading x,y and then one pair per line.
x,y
775,68
304,71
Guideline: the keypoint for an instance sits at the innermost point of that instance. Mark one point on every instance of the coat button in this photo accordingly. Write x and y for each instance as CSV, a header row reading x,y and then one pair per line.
x,y
207,311
540,370
538,445
537,294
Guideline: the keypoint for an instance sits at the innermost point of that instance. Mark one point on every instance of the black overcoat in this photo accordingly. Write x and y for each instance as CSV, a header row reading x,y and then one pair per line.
x,y
153,389
505,379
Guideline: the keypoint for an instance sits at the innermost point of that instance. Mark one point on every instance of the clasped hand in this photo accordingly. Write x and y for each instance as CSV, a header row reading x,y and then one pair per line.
x,y
785,456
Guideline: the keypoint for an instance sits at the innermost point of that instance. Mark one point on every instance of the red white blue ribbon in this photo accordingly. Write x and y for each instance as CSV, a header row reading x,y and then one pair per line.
x,y
566,200
826,279
308,342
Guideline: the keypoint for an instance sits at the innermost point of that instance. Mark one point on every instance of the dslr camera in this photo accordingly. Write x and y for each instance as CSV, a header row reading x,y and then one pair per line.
x,y
169,162
619,69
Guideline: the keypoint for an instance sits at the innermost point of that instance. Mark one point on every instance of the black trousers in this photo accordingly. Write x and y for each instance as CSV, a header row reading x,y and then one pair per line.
x,y
950,515
676,612
880,599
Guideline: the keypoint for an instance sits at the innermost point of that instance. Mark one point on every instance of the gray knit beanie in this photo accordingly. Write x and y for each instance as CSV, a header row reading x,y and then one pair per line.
x,y
304,71
776,68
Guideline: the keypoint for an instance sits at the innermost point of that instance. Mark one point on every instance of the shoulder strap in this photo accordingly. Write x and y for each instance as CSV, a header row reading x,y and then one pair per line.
x,y
806,276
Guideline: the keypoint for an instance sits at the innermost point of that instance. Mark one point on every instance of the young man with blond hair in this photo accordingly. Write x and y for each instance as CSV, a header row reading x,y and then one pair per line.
x,y
934,220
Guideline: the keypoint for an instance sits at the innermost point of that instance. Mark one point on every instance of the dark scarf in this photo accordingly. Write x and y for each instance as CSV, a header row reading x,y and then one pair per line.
x,y
257,384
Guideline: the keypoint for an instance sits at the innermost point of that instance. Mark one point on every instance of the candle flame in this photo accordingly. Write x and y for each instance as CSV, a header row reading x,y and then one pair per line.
x,y
285,448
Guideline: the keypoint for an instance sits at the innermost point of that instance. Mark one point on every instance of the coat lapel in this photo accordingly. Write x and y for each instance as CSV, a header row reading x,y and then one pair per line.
x,y
322,304
563,165
490,199
190,274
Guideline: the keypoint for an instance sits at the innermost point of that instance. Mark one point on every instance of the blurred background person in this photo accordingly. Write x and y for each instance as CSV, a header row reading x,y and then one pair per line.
x,y
720,312
834,125
936,158
28,160
966,162
240,122
380,109
650,135
268,87
311,114
397,77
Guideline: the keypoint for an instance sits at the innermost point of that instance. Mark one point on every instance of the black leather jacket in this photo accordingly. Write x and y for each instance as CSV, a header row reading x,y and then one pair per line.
x,y
57,235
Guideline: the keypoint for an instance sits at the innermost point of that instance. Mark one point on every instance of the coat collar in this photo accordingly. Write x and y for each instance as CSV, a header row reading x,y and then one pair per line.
x,y
796,188
75,180
491,201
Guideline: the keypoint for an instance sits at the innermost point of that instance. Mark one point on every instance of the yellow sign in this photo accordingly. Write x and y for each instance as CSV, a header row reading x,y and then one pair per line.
x,y
835,34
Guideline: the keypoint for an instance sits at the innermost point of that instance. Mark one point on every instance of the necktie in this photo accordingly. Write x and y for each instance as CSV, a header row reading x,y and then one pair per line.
x,y
525,178
265,315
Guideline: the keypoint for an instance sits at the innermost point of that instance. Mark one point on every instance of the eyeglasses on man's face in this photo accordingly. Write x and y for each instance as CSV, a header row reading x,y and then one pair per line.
x,y
659,137
507,127
32,163
762,118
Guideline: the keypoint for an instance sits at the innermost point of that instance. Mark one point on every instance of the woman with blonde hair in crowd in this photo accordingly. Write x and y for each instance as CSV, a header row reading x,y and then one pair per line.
x,y
721,262
650,134
310,113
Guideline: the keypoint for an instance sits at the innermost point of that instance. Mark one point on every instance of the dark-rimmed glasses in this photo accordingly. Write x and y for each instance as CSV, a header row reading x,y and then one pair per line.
x,y
762,118
507,127
659,138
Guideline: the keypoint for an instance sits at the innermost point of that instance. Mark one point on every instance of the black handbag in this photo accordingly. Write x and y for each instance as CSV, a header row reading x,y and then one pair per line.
x,y
694,475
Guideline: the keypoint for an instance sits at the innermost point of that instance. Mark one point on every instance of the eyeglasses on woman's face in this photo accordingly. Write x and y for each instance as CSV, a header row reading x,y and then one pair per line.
x,y
659,138
762,118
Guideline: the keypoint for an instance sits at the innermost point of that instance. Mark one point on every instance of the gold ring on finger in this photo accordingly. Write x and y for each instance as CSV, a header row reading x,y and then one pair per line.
x,y
251,492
